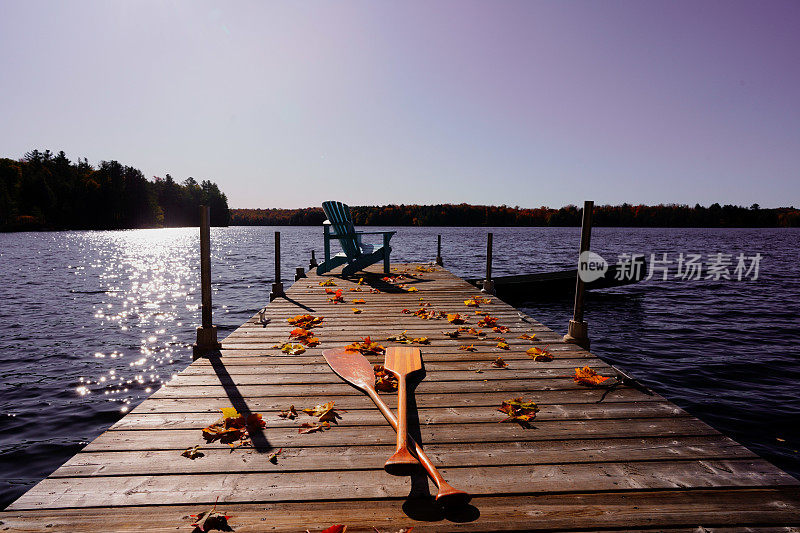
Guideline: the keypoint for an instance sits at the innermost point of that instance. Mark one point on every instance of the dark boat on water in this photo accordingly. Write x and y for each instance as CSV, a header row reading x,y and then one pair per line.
x,y
532,287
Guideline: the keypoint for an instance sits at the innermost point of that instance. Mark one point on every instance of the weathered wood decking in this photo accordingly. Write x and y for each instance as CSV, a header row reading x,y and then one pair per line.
x,y
595,459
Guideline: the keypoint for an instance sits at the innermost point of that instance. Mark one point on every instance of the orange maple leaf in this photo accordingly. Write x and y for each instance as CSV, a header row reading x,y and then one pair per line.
x,y
588,376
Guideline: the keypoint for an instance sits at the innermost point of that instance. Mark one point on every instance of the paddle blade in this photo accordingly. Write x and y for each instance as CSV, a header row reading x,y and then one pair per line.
x,y
403,360
352,367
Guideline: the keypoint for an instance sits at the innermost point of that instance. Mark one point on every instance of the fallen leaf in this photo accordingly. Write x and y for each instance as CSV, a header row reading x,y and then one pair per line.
x,y
327,283
291,414
309,427
455,318
329,291
325,412
421,340
274,457
360,281
470,348
500,329
519,411
374,290
233,427
452,334
357,311
338,528
499,363
305,321
487,321
412,289
384,381
366,347
359,301
588,376
193,453
527,336
293,349
503,345
337,297
210,521
471,303
537,354
230,412
406,312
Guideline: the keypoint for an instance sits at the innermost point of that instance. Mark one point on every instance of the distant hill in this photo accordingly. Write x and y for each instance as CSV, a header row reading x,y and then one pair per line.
x,y
46,191
625,215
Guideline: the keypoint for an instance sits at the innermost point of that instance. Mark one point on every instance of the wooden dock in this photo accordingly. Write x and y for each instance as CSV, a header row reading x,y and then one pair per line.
x,y
594,458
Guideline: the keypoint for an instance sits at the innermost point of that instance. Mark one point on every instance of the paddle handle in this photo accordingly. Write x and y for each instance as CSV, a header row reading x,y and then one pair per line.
x,y
402,415
445,490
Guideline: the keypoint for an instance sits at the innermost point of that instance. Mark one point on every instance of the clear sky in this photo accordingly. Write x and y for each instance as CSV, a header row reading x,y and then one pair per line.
x,y
287,104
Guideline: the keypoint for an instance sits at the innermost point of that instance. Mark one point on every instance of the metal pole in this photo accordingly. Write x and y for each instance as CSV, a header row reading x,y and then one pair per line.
x,y
277,287
206,333
439,250
488,284
577,332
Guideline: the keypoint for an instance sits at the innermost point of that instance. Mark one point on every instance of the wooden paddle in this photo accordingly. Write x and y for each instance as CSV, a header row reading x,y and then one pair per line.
x,y
356,369
402,361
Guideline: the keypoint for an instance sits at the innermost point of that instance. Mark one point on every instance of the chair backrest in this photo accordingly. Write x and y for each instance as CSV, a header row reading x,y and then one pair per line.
x,y
339,216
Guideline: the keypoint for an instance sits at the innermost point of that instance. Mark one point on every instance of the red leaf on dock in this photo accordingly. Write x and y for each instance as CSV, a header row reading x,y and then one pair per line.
x,y
589,377
487,322
338,528
365,347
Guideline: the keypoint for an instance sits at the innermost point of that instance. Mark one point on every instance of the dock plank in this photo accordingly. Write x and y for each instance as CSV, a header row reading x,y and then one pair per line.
x,y
607,458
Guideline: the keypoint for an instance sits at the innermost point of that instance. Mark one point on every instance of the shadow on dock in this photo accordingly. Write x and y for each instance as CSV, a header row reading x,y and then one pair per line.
x,y
260,442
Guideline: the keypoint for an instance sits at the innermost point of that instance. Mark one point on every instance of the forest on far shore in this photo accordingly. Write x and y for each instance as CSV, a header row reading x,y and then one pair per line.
x,y
43,191
625,215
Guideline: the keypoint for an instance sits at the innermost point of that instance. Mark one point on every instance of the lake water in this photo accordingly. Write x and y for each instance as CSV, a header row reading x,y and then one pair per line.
x,y
92,322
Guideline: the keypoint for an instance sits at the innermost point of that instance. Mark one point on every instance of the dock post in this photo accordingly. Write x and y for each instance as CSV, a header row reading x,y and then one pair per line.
x,y
313,262
299,273
439,250
578,330
277,287
488,283
207,333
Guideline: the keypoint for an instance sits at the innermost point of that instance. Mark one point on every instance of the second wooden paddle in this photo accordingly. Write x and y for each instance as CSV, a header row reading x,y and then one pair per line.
x,y
402,361
356,369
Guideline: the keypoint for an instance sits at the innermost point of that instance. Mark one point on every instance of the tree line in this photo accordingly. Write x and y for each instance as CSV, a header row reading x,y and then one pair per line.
x,y
625,215
47,191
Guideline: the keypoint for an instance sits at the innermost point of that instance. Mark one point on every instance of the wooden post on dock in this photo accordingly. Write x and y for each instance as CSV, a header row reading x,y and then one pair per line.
x,y
299,273
439,250
207,333
277,287
578,330
313,263
488,283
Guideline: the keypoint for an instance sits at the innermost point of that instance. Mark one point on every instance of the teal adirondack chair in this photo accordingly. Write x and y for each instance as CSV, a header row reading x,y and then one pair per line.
x,y
355,254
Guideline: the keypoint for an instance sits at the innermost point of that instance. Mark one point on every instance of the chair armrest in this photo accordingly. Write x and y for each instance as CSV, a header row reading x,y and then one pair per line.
x,y
375,232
